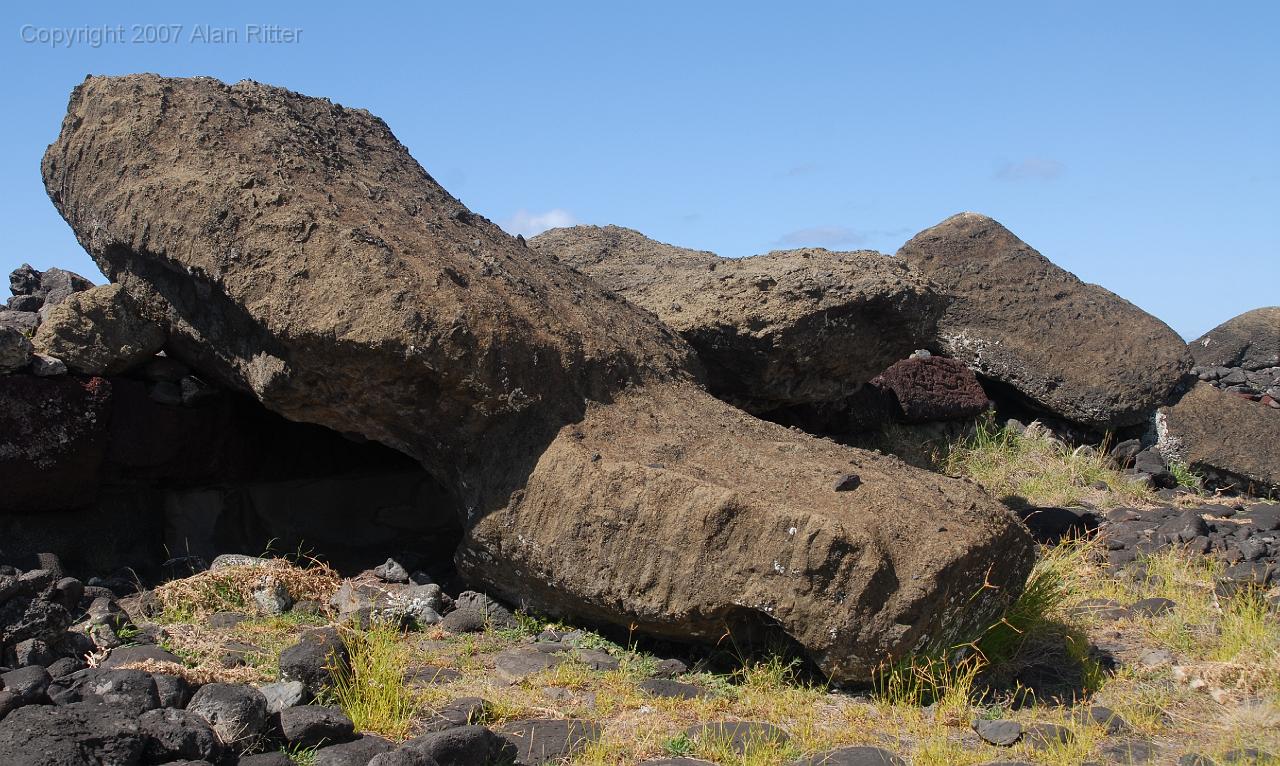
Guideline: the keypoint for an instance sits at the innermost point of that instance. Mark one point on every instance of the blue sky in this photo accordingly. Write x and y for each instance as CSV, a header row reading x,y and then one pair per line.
x,y
1136,144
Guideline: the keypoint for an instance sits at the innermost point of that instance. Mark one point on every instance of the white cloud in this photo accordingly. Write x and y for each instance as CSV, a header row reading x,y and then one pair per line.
x,y
802,169
530,223
823,236
1030,169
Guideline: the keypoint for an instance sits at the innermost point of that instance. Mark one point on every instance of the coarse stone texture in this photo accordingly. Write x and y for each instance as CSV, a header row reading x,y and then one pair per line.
x,y
1071,348
99,332
599,479
801,560
78,734
15,350
933,388
236,712
785,328
1250,341
1223,433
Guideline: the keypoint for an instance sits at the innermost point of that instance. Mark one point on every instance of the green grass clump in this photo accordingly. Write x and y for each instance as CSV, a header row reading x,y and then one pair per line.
x,y
1185,476
371,690
948,673
301,756
1031,467
678,746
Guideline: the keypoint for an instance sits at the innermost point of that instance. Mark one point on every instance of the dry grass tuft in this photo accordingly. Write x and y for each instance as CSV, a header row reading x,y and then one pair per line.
x,y
231,588
198,676
1035,468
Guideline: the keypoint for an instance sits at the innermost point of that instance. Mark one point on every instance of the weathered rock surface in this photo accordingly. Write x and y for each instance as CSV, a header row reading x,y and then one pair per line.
x,y
98,332
785,328
40,291
1220,432
1071,348
1250,341
601,481
933,388
15,350
802,557
75,734
237,713
24,322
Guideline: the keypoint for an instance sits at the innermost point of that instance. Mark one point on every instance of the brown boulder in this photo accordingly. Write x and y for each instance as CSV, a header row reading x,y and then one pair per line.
x,y
98,331
342,286
787,328
1250,341
694,520
933,388
1234,440
1071,348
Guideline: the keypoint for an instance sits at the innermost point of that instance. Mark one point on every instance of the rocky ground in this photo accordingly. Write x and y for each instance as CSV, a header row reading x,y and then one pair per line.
x,y
1155,639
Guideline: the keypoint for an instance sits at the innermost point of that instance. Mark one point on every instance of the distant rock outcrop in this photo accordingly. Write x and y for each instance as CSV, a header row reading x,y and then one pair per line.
x,y
1071,348
1242,356
342,286
791,327
1250,341
41,290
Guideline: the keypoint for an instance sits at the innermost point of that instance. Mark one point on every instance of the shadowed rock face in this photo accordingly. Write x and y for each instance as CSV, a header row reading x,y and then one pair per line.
x,y
791,327
1072,348
1250,341
293,248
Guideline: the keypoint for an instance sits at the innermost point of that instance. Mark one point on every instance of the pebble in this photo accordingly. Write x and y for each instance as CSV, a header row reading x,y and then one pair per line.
x,y
1152,607
1001,733
1154,658
1043,736
1105,717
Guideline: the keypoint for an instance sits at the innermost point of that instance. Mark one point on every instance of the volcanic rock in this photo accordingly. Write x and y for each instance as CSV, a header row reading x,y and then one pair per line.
x,y
177,734
933,388
41,291
24,322
99,332
1071,348
237,713
79,733
310,725
15,350
1214,431
1250,341
313,660
600,481
786,328
546,740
